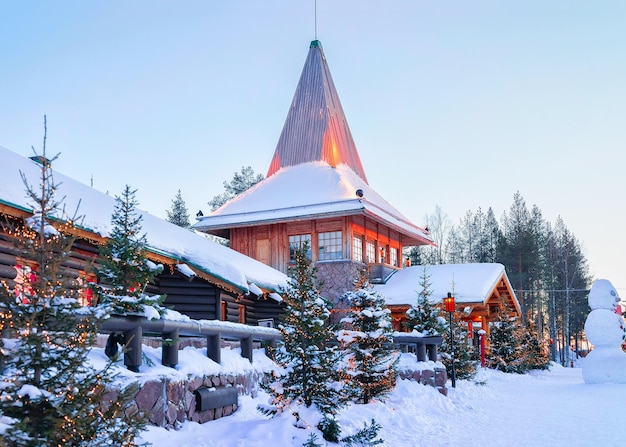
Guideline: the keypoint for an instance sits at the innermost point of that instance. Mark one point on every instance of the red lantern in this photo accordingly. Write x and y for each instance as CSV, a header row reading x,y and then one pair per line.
x,y
449,302
470,329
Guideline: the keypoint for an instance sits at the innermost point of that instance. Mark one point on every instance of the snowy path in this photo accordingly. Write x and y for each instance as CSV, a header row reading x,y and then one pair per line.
x,y
541,409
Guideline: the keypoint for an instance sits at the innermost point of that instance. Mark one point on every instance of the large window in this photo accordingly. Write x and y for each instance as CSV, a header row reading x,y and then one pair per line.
x,y
330,246
357,248
296,242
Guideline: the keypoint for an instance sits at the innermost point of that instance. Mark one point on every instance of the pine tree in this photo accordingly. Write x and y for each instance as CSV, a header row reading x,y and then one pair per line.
x,y
505,352
425,316
464,365
179,215
240,182
368,344
535,354
309,361
50,393
124,270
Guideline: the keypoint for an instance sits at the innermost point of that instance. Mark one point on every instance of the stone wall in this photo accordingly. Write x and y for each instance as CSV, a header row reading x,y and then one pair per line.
x,y
437,377
339,277
169,403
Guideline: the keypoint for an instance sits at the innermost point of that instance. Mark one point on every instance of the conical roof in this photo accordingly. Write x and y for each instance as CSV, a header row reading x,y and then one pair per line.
x,y
316,128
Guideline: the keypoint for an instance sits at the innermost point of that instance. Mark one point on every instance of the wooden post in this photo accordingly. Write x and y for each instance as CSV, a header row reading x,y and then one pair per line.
x,y
213,347
132,348
169,350
246,348
421,352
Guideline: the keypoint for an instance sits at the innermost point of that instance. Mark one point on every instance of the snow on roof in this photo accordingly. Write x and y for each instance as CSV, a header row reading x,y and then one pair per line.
x,y
468,283
164,238
308,190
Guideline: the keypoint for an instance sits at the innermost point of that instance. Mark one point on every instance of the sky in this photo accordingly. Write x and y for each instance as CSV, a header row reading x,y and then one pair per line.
x,y
451,104
553,408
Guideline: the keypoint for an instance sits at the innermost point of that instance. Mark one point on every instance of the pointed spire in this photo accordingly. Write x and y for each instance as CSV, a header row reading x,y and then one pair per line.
x,y
316,128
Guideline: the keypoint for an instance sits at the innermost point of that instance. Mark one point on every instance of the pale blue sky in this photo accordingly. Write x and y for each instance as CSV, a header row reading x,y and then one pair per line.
x,y
455,103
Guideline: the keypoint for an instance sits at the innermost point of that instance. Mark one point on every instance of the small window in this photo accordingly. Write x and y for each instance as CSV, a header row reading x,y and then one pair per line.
x,y
330,246
370,251
296,242
357,248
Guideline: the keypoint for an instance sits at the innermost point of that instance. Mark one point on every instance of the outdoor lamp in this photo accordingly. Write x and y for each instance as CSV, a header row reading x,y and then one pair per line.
x,y
449,303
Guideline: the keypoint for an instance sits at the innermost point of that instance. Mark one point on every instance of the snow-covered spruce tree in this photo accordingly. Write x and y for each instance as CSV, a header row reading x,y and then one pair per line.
x,y
505,353
367,343
49,393
124,270
307,357
179,214
425,316
464,366
535,353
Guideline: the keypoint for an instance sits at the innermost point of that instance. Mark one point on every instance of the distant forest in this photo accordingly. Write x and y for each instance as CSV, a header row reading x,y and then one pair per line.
x,y
543,260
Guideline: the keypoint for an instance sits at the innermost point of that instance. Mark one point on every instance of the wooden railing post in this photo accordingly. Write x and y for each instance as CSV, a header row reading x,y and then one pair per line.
x,y
132,348
169,350
246,348
421,352
213,347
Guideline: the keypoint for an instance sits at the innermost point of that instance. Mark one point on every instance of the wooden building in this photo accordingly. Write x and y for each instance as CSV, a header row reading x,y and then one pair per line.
x,y
202,279
479,289
316,192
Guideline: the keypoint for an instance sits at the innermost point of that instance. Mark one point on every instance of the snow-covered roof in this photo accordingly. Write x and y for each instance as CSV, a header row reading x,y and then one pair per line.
x,y
306,191
163,238
469,283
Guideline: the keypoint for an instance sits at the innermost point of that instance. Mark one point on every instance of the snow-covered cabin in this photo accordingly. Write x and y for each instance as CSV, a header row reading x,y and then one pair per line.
x,y
478,289
316,191
201,278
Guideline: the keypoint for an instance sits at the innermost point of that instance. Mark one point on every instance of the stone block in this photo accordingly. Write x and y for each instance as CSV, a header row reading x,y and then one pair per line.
x,y
147,396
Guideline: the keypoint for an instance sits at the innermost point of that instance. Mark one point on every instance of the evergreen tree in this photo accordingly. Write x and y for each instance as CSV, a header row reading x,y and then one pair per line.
x,y
50,394
425,316
179,215
534,352
505,352
368,344
240,182
464,366
124,270
309,361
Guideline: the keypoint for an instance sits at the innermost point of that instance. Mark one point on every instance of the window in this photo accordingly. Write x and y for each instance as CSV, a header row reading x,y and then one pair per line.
x,y
330,246
370,251
393,256
296,242
357,248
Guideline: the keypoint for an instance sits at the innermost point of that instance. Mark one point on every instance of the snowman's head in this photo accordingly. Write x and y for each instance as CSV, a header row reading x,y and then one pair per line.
x,y
603,295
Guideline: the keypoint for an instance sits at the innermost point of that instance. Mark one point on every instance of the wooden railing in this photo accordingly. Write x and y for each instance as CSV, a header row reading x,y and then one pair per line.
x,y
133,329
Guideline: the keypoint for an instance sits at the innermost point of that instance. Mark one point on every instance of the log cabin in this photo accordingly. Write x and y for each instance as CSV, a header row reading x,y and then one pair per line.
x,y
479,289
201,278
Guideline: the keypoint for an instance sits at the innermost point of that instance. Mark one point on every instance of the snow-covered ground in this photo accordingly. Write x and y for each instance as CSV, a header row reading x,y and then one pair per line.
x,y
547,408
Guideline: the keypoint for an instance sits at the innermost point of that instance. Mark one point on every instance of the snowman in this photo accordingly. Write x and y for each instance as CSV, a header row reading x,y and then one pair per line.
x,y
605,331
